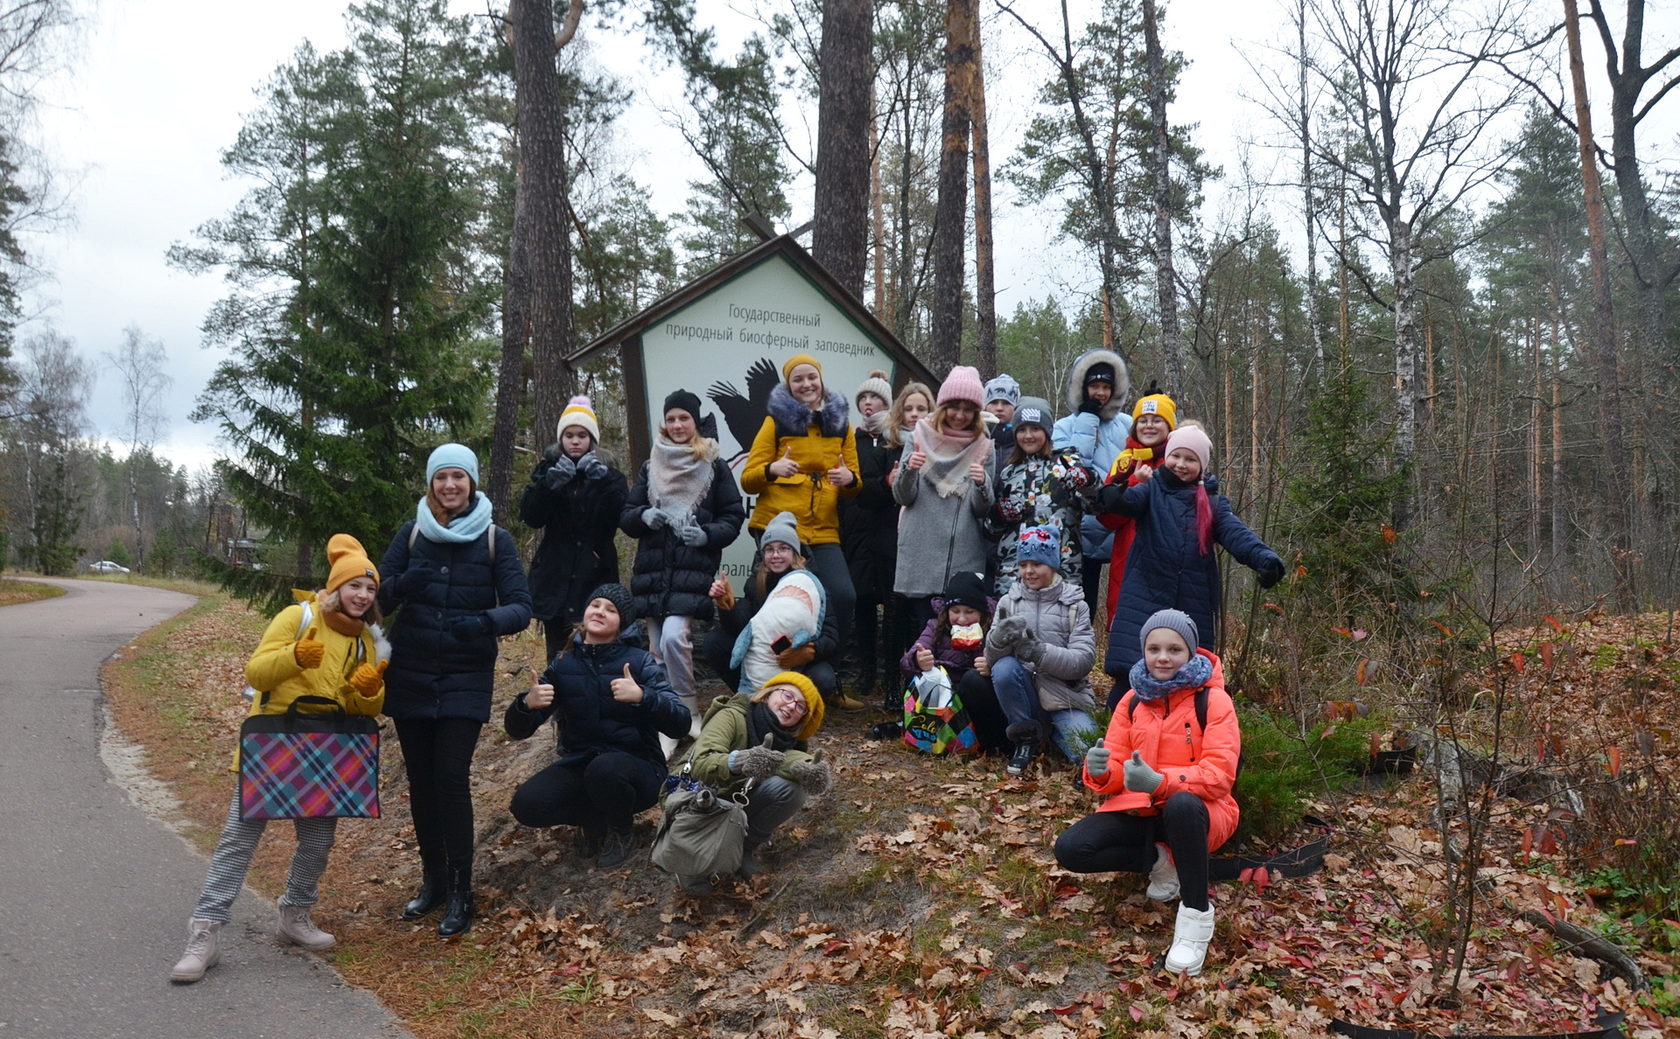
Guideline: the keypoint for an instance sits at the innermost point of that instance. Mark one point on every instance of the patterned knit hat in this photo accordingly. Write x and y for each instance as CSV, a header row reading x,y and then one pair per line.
x,y
1172,620
1004,388
962,384
622,601
813,719
348,561
580,413
1034,411
452,456
1040,545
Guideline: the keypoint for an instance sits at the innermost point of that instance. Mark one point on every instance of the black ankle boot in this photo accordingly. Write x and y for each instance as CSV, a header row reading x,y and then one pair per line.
x,y
429,897
458,913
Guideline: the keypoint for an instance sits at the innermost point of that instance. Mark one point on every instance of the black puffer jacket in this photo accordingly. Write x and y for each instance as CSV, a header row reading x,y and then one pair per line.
x,y
432,674
869,522
671,578
590,721
576,554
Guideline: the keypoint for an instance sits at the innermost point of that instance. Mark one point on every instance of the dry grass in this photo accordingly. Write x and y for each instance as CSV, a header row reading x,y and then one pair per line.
x,y
13,592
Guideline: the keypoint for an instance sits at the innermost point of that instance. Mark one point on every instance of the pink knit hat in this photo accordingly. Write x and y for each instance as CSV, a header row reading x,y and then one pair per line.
x,y
1192,439
962,384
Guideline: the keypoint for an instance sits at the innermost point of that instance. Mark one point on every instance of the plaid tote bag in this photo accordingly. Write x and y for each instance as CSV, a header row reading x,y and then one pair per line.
x,y
309,765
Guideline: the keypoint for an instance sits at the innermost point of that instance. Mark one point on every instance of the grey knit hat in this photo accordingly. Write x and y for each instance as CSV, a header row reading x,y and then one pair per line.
x,y
1172,620
783,527
877,384
622,601
1003,387
1034,411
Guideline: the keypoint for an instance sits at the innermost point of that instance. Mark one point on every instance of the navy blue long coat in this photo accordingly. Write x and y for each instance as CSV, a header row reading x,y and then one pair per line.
x,y
1165,570
670,578
432,674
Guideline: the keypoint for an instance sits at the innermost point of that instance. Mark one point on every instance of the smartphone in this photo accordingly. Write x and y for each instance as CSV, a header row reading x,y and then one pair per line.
x,y
782,644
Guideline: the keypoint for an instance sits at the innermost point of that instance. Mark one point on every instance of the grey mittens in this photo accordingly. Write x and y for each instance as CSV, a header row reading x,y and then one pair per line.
x,y
560,473
1029,650
1005,633
757,762
655,518
1096,761
693,536
813,776
1140,777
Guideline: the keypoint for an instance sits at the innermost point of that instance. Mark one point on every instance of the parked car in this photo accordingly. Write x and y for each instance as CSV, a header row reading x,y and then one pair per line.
x,y
105,566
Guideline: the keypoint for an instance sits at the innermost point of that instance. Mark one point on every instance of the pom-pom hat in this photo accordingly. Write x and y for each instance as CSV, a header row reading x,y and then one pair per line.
x,y
580,413
877,384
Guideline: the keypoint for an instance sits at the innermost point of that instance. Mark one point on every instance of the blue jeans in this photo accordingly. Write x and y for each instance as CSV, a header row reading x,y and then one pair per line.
x,y
1072,730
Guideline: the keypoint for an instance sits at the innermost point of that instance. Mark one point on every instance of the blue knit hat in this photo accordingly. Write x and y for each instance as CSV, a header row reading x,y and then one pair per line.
x,y
1040,545
457,456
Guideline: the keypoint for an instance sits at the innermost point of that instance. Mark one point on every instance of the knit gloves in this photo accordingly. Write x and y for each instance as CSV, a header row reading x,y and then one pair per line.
x,y
1006,633
470,626
1096,761
1271,572
368,679
813,775
308,651
560,473
1140,778
757,762
592,468
655,519
693,536
1029,650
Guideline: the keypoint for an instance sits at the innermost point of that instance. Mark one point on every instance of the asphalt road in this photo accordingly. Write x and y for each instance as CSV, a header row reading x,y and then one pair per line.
x,y
94,894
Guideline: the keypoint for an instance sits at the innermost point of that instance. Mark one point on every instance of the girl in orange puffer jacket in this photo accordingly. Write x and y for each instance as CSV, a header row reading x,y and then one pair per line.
x,y
1167,775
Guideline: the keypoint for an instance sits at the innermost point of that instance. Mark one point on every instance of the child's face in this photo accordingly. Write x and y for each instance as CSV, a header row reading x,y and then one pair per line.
x,y
679,425
1036,575
870,403
1150,430
806,385
600,621
1004,410
1031,439
778,557
960,415
1100,392
1164,652
575,441
958,614
356,595
916,408
1184,464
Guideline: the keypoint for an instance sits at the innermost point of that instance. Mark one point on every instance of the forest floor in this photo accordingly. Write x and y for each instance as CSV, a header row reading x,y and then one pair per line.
x,y
920,897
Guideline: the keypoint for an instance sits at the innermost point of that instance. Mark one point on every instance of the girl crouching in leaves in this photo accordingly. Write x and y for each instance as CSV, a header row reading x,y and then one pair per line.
x,y
955,639
341,657
758,744
1168,781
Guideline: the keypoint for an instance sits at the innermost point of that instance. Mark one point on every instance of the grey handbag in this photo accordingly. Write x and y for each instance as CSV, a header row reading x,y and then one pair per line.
x,y
699,833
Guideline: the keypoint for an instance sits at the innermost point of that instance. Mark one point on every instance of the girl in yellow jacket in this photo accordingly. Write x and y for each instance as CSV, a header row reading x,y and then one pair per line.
x,y
334,650
803,461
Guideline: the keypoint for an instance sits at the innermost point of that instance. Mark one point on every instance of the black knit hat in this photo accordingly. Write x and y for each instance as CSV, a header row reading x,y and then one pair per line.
x,y
965,589
685,400
1102,371
622,601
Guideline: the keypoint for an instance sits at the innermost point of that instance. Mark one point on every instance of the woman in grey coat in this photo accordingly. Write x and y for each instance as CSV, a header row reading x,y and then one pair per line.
x,y
944,482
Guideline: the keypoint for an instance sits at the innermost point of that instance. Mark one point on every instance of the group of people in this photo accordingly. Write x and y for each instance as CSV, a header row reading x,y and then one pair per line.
x,y
970,515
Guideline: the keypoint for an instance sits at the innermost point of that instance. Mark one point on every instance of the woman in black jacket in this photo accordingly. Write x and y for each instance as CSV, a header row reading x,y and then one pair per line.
x,y
574,497
869,536
683,511
611,704
457,577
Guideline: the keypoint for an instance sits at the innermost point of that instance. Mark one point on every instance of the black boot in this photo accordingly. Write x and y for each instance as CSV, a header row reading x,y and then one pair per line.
x,y
429,897
458,914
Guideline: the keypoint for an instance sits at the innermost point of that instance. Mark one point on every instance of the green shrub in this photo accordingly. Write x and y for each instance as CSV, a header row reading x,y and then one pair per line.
x,y
1286,765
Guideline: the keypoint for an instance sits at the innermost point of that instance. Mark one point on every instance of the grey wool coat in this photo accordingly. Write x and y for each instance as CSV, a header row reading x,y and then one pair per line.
x,y
938,537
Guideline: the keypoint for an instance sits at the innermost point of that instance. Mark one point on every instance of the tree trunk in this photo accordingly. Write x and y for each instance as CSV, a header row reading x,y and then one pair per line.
x,y
548,243
985,291
1321,347
840,231
511,376
878,212
950,221
1166,285
1405,368
1603,328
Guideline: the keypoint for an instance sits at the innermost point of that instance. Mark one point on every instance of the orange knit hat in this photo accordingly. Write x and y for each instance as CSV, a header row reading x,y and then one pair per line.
x,y
348,560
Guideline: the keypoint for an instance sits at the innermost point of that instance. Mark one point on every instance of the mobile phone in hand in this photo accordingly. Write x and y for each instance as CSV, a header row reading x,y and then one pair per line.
x,y
782,644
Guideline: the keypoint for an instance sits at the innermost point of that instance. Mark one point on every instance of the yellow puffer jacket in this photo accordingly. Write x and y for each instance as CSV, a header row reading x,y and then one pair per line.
x,y
274,668
814,502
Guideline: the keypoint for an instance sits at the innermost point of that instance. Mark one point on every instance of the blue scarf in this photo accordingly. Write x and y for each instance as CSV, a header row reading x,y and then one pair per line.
x,y
1193,675
468,526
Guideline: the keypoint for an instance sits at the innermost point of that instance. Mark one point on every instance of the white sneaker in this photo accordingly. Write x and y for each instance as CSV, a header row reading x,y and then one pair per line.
x,y
202,951
1163,879
297,928
1191,935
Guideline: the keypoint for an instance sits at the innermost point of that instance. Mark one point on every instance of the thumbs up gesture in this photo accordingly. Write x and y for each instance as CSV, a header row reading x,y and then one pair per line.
x,y
841,475
540,695
1140,777
625,689
759,762
368,679
785,466
309,650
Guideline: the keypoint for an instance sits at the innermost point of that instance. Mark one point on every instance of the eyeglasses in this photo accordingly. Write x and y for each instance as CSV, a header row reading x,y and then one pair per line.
x,y
791,696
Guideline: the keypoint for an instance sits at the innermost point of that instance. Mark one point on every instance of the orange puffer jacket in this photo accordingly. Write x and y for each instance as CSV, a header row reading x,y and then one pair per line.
x,y
1200,762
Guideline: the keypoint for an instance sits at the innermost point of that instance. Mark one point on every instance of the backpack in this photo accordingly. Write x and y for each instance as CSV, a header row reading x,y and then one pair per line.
x,y
1201,720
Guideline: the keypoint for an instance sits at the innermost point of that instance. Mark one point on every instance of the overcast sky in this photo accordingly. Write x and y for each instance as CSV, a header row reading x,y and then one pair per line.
x,y
161,88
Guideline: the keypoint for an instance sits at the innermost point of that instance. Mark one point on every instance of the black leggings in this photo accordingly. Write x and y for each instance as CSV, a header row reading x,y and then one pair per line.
x,y
1119,842
604,793
437,753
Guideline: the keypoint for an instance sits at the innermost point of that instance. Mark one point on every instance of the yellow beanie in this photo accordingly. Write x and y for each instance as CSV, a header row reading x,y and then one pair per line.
x,y
795,361
1157,404
813,700
348,560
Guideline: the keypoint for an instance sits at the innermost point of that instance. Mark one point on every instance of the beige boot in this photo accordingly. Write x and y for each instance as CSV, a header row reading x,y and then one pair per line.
x,y
1163,879
297,928
202,951
1191,935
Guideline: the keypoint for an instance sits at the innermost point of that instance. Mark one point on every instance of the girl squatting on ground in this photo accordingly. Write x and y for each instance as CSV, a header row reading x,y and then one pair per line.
x,y
1167,779
341,657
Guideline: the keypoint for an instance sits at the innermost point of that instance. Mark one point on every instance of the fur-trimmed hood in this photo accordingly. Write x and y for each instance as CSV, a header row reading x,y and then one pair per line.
x,y
1076,382
793,419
